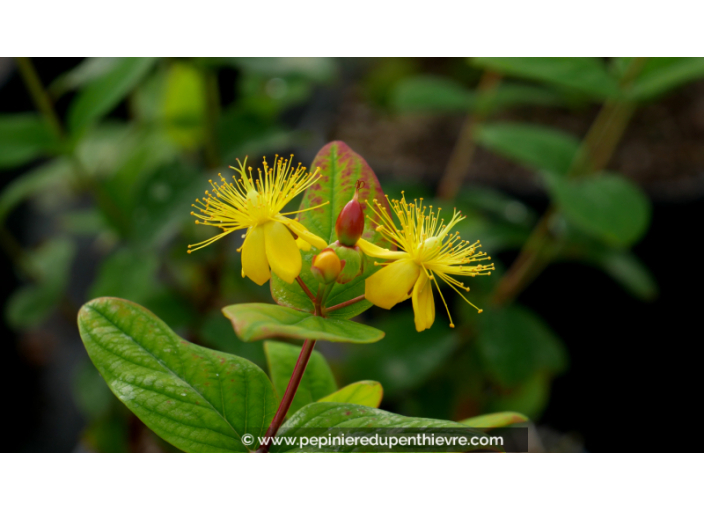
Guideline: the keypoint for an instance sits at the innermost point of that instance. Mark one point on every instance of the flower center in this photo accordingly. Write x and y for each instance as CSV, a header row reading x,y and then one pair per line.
x,y
427,250
257,207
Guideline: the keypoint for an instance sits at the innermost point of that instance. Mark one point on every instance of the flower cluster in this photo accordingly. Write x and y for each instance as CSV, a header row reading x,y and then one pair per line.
x,y
426,248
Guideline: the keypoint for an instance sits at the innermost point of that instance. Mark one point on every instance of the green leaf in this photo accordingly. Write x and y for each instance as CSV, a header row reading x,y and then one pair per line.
x,y
406,358
660,75
38,179
514,344
261,321
185,105
494,420
433,94
363,393
584,74
537,147
317,380
324,419
436,94
23,138
103,94
605,205
197,399
88,70
340,169
626,269
31,304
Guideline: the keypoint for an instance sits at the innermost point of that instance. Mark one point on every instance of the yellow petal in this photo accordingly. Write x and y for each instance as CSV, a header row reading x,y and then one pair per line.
x,y
254,262
423,303
302,232
303,245
282,251
392,284
372,250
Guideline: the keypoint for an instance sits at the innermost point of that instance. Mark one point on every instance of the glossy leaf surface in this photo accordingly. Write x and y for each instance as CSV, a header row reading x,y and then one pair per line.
x,y
197,399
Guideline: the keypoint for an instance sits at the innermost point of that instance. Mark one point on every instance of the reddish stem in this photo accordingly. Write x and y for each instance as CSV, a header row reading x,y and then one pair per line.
x,y
305,288
346,303
285,404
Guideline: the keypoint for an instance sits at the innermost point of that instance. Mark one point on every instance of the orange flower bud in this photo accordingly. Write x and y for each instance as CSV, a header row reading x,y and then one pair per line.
x,y
326,266
350,223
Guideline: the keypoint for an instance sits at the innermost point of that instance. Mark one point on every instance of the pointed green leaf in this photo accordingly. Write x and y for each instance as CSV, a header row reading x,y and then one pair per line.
x,y
324,419
606,205
261,321
340,169
433,94
363,393
103,94
195,398
317,380
23,137
537,147
629,272
493,420
660,75
584,74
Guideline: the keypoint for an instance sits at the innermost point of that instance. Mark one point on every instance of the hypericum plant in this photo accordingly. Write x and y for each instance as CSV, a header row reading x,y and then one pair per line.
x,y
323,269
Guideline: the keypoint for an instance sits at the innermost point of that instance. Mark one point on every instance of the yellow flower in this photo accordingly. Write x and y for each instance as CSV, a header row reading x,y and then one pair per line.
x,y
254,201
426,249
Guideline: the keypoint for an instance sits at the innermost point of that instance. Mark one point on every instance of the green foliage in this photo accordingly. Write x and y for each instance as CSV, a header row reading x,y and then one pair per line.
x,y
340,169
104,93
660,75
540,148
363,393
185,105
404,359
438,94
23,138
627,270
324,418
197,399
494,420
33,182
514,344
260,321
606,205
33,303
317,381
586,75
432,93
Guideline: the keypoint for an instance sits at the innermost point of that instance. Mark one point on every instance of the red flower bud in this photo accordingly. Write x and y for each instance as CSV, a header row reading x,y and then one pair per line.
x,y
350,223
326,266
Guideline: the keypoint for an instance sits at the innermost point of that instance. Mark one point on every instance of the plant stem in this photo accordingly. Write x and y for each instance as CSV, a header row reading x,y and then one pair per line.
x,y
305,288
463,152
290,392
346,303
39,95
